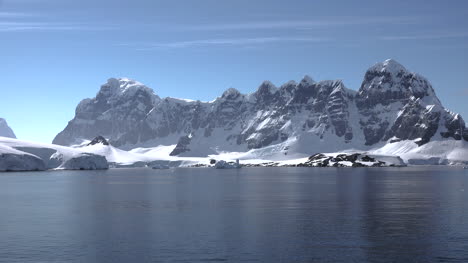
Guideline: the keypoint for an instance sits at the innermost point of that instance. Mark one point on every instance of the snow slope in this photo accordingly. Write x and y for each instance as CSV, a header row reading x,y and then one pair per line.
x,y
140,157
52,156
433,153
16,155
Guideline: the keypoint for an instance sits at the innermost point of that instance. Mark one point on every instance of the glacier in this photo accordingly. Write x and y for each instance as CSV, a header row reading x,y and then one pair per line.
x,y
20,155
14,160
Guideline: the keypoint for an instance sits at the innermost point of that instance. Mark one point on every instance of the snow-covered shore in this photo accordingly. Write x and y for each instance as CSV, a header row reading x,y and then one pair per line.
x,y
19,155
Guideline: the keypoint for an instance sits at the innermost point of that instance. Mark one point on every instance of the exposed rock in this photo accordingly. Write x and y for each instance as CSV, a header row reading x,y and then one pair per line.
x,y
182,145
400,105
351,160
99,140
118,107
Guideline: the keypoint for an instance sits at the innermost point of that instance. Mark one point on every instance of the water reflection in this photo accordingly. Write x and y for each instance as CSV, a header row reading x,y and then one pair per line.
x,y
246,215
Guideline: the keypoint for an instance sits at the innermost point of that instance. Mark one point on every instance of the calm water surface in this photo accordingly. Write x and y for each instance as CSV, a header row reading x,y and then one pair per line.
x,y
248,215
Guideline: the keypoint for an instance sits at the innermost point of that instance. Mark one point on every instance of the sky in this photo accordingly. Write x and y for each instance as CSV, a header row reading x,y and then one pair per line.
x,y
54,53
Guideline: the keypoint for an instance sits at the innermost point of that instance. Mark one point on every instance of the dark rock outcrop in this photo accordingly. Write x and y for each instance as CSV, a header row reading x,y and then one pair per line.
x,y
350,160
182,145
99,140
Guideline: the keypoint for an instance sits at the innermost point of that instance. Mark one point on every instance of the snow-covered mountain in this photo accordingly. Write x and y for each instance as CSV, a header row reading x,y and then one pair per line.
x,y
5,130
393,105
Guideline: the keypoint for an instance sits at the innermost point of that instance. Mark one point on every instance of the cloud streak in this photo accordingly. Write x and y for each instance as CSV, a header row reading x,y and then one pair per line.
x,y
27,22
317,23
426,36
227,42
303,24
8,26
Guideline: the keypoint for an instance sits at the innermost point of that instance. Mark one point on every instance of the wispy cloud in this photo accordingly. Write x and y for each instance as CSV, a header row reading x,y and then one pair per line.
x,y
18,22
225,42
14,15
8,26
303,24
316,23
426,36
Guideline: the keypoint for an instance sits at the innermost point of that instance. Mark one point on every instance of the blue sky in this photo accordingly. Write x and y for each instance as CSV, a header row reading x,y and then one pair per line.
x,y
57,52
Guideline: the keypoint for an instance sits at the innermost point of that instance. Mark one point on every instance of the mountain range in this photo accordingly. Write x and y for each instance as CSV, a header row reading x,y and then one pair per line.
x,y
392,106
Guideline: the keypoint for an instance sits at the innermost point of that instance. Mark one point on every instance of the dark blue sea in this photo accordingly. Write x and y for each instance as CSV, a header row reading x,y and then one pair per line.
x,y
414,214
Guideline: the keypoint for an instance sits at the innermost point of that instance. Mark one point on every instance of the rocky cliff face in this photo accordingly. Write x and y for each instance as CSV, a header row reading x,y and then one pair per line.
x,y
399,105
392,104
119,106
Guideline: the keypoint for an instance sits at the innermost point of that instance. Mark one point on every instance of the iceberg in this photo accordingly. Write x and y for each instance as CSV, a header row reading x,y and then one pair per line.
x,y
227,165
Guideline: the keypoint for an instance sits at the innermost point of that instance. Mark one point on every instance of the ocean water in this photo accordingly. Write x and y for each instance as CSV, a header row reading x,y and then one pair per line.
x,y
414,214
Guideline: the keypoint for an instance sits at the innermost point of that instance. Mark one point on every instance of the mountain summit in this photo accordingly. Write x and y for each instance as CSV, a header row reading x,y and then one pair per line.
x,y
392,104
5,130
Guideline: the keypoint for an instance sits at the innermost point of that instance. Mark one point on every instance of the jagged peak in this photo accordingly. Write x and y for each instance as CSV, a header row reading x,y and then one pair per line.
x,y
389,81
5,130
120,86
267,86
340,87
231,93
307,80
267,83
390,65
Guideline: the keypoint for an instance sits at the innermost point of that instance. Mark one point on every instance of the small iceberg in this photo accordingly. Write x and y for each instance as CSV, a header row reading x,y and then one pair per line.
x,y
227,165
